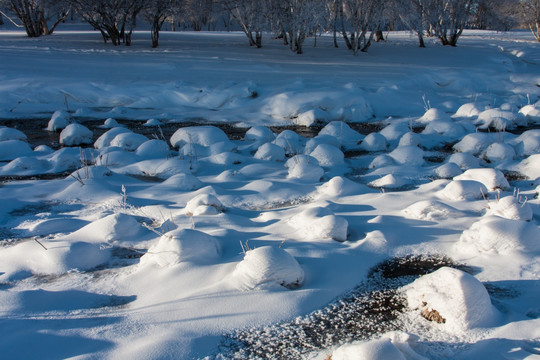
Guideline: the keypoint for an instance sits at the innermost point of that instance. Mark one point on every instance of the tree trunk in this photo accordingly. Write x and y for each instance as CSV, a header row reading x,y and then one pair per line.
x,y
258,39
379,36
421,39
368,43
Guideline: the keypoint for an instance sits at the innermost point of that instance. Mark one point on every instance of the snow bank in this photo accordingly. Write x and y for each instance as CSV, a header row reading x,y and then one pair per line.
x,y
128,141
268,267
499,152
181,182
434,114
318,223
528,143
454,297
75,134
496,118
340,186
496,235
448,170
408,155
469,110
492,178
529,167
182,245
474,143
260,134
392,182
378,349
464,160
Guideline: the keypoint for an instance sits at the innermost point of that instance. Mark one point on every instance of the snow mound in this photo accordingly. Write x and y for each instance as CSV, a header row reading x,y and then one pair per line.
x,y
464,190
105,140
328,155
199,135
111,228
465,160
260,134
496,235
312,143
474,143
468,110
59,258
509,207
320,223
289,141
153,149
7,133
182,182
492,178
304,167
12,149
204,204
408,155
312,117
454,297
152,123
25,165
446,128
431,210
340,186
448,170
75,134
270,152
182,245
381,161
348,137
434,114
383,348
531,113
498,119
528,143
128,141
409,139
110,123
391,181
374,142
268,267
529,167
59,120
499,152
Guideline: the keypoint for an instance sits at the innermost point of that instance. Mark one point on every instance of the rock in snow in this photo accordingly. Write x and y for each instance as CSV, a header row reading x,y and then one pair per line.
x,y
459,299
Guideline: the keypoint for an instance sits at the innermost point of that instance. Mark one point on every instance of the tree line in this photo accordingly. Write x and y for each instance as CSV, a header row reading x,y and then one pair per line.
x,y
357,22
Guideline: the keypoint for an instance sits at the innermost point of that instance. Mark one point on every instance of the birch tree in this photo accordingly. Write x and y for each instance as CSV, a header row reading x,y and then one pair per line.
x,y
156,12
251,16
530,10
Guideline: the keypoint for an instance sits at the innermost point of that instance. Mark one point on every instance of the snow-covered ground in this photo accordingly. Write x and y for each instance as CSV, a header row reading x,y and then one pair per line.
x,y
159,246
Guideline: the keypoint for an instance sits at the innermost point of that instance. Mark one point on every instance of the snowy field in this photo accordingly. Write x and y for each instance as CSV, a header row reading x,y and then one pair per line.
x,y
126,234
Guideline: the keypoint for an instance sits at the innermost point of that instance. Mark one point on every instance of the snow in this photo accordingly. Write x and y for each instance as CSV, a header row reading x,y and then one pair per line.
x,y
459,298
174,229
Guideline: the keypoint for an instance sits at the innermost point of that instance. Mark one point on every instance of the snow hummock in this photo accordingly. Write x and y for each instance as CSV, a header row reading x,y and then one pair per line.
x,y
268,267
319,223
496,235
59,120
459,298
492,178
181,245
75,134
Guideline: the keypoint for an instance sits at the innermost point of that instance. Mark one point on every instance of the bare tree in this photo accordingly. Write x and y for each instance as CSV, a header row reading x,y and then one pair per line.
x,y
199,13
530,10
115,19
298,19
251,15
38,17
447,19
363,17
156,12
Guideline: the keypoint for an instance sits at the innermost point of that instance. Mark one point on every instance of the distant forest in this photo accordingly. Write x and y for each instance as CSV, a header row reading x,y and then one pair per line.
x,y
357,22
